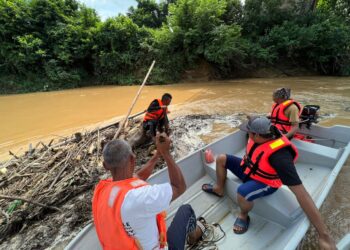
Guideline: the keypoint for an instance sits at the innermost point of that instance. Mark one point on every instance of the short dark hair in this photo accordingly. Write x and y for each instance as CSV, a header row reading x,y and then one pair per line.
x,y
166,96
275,133
267,136
283,93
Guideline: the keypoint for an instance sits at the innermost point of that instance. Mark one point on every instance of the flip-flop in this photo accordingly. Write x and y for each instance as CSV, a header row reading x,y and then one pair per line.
x,y
242,224
210,190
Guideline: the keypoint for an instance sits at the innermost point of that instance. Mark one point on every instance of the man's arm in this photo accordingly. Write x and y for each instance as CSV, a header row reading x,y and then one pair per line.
x,y
147,169
177,180
154,106
282,162
292,131
166,124
310,209
292,112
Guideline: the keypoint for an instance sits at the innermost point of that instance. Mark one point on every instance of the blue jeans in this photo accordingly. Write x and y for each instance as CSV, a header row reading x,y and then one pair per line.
x,y
183,223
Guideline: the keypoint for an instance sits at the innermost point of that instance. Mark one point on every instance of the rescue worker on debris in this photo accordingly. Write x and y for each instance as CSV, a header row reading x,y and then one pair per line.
x,y
129,213
155,119
285,112
267,164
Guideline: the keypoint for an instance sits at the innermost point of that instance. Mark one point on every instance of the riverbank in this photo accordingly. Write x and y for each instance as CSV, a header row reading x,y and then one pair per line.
x,y
203,72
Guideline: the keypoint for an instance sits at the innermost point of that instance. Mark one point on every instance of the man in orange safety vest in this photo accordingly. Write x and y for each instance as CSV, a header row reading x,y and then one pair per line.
x,y
155,119
129,213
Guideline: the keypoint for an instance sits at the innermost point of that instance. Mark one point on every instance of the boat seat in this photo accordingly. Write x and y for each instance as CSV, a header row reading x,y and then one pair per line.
x,y
280,207
317,154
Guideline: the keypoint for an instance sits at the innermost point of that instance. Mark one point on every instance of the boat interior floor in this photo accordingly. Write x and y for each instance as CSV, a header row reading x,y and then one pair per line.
x,y
273,214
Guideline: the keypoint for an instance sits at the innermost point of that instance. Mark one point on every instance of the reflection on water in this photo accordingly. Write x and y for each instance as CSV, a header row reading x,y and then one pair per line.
x,y
34,117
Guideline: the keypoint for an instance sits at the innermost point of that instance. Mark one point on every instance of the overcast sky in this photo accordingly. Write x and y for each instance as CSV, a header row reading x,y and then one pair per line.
x,y
109,8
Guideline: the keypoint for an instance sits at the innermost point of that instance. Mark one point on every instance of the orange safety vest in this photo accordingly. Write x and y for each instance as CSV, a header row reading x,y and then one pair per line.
x,y
279,119
106,205
156,114
258,166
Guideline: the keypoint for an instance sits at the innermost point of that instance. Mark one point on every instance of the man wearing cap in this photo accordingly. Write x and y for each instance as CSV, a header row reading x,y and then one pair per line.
x,y
267,164
285,112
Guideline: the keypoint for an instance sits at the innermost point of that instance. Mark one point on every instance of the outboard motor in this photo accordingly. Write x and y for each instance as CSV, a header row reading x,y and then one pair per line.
x,y
309,115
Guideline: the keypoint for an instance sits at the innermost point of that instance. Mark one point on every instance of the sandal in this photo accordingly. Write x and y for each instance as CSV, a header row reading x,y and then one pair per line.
x,y
208,188
242,224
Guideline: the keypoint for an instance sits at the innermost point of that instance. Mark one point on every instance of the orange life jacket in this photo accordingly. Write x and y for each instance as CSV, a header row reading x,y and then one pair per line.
x,y
106,205
279,119
156,114
258,166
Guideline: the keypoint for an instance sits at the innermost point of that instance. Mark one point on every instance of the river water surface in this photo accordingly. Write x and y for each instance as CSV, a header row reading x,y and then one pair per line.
x,y
30,118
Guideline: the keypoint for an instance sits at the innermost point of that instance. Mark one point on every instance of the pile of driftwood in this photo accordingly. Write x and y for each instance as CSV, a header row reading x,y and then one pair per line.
x,y
42,180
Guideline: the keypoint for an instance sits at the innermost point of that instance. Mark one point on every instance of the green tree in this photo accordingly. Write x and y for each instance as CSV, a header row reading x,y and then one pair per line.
x,y
15,21
50,39
117,49
147,13
193,21
233,12
338,7
261,16
324,45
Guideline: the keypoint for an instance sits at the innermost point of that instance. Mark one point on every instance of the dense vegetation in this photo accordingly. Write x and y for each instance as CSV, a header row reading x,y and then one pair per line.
x,y
54,44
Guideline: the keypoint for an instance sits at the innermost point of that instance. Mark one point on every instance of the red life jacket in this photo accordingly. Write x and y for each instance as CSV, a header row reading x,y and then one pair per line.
x,y
258,166
156,114
279,119
106,205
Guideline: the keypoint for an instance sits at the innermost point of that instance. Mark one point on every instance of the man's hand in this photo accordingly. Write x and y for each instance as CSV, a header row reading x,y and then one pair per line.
x,y
177,180
163,143
326,242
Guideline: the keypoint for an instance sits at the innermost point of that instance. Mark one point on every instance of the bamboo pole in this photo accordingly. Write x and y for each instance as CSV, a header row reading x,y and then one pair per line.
x,y
121,125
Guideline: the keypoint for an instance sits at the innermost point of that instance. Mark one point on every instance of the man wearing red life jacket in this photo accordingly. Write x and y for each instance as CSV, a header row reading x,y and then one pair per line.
x,y
267,165
129,214
155,119
285,112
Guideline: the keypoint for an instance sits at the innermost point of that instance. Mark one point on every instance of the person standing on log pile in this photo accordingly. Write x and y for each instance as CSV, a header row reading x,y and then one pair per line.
x,y
285,112
155,119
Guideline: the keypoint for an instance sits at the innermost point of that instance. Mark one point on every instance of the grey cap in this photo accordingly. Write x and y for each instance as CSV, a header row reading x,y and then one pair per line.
x,y
257,124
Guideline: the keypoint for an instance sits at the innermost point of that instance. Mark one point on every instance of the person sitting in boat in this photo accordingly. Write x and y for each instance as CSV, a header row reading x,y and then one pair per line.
x,y
285,112
267,165
155,119
128,212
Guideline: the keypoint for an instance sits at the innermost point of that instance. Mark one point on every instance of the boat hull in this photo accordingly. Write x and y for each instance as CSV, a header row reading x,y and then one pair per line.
x,y
277,221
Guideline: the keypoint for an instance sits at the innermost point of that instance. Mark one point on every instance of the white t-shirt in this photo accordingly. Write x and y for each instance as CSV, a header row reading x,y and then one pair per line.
x,y
139,210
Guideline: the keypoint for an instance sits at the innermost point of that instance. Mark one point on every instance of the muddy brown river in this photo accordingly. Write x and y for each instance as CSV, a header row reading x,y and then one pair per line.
x,y
30,118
